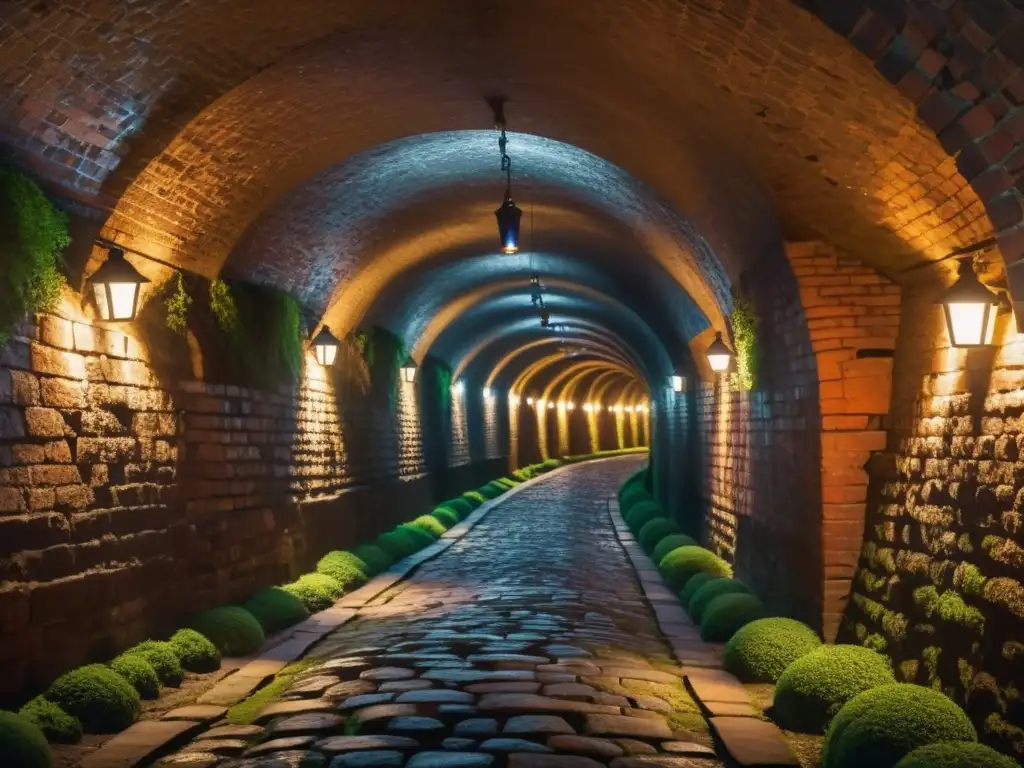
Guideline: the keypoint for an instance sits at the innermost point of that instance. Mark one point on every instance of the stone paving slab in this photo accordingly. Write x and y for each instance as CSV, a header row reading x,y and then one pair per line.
x,y
139,742
753,743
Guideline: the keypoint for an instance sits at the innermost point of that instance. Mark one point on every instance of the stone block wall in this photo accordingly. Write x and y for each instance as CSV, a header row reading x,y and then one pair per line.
x,y
939,585
130,497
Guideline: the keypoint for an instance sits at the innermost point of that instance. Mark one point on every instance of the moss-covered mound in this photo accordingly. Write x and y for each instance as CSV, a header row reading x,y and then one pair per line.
x,y
641,514
812,689
694,583
276,609
492,490
680,564
164,660
396,544
317,591
475,498
420,537
462,506
956,754
232,629
761,651
429,525
670,542
654,531
345,568
879,727
376,559
195,652
446,516
57,725
139,673
633,496
102,700
507,482
726,614
22,744
715,588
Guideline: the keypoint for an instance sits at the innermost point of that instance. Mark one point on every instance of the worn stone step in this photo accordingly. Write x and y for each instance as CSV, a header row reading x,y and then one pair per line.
x,y
753,743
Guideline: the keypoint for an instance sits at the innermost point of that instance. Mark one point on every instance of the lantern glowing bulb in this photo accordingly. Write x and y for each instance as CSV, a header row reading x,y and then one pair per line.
x,y
458,388
325,347
550,406
513,400
409,370
529,401
571,406
719,355
116,286
488,394
629,409
508,215
970,309
677,383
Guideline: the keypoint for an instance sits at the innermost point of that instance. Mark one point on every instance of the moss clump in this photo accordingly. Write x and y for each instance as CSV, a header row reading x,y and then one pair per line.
x,y
463,506
247,710
882,725
396,544
164,660
446,516
761,651
679,565
376,559
654,531
195,652
726,614
815,687
102,700
22,744
317,591
641,514
956,754
716,587
57,725
492,490
633,496
692,585
139,672
276,609
475,498
670,542
232,629
429,525
419,536
345,568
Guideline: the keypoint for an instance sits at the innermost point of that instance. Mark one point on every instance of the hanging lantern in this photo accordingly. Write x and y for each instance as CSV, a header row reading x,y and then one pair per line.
x,y
409,371
970,309
719,355
458,388
325,347
509,215
117,285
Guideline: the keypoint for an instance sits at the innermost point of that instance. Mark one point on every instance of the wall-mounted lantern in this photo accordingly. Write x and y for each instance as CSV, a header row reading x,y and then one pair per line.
x,y
117,285
488,394
571,406
719,355
325,347
409,370
677,379
551,405
970,309
458,388
529,401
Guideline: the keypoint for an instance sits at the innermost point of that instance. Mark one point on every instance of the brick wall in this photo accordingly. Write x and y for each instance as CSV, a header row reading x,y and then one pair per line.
x,y
129,498
938,586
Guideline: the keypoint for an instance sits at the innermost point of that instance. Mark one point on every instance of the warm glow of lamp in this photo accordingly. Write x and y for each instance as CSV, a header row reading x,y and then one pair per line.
x,y
629,409
571,406
488,394
508,215
550,406
529,401
719,355
586,407
325,346
970,309
116,286
458,388
513,400
409,371
677,383
618,409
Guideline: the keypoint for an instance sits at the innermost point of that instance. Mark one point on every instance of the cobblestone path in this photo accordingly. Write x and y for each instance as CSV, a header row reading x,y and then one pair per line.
x,y
527,644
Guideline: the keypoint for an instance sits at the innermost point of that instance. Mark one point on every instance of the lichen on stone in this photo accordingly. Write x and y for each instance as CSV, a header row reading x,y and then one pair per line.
x,y
1007,593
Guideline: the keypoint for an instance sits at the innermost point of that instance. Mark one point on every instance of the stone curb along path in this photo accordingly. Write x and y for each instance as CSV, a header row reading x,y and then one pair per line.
x,y
140,742
747,739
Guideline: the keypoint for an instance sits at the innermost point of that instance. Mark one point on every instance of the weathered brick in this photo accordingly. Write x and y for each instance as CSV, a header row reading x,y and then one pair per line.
x,y
104,449
65,394
45,422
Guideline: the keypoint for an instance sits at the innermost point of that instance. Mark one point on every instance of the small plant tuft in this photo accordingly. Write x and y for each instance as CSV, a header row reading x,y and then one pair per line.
x,y
232,629
102,700
57,725
196,652
275,609
22,743
139,672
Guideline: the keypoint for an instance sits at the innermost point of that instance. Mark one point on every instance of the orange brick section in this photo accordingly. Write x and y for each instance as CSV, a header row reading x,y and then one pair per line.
x,y
850,309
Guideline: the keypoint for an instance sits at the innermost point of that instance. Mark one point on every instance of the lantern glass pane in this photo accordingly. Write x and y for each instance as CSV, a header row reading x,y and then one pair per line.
x,y
967,326
677,383
409,373
121,300
990,331
326,354
719,363
102,305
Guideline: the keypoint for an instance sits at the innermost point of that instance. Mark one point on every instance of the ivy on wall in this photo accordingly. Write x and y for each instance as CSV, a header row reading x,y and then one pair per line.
x,y
744,330
33,235
177,305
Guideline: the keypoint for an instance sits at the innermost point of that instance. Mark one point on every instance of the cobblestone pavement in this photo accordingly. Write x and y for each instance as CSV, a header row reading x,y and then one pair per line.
x,y
526,644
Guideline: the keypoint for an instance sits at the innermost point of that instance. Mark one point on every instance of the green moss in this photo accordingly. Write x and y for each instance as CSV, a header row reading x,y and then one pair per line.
x,y
744,331
927,598
247,710
276,609
22,744
1008,733
694,583
164,660
396,544
727,614
931,661
702,598
463,506
969,580
223,307
680,564
102,700
57,725
1012,649
33,235
953,609
956,754
345,568
685,714
419,537
653,531
1006,592
430,525
446,516
316,591
667,544
881,726
876,643
139,672
195,652
491,490
376,559
232,629
908,669
815,687
761,651
640,514
475,498
176,306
